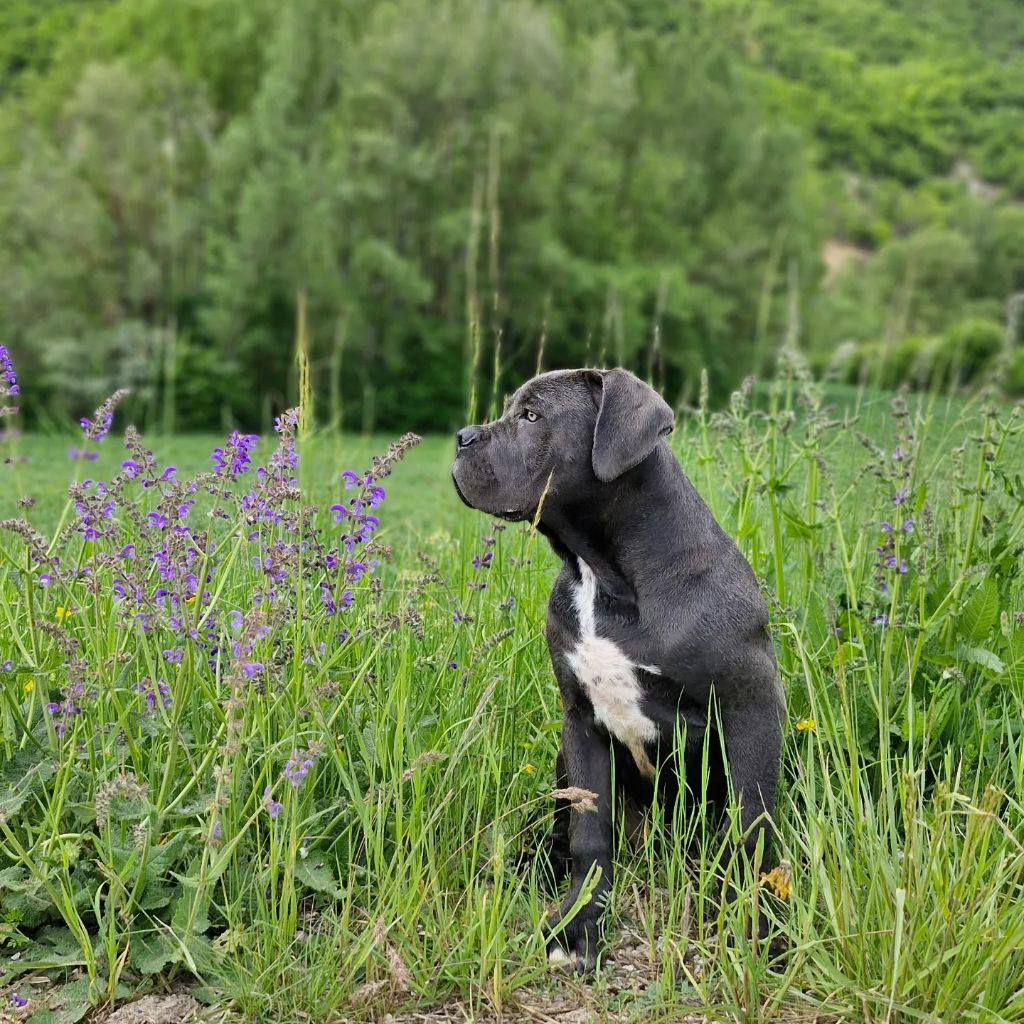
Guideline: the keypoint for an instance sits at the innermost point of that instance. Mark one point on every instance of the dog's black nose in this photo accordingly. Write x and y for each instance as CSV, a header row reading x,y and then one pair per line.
x,y
467,435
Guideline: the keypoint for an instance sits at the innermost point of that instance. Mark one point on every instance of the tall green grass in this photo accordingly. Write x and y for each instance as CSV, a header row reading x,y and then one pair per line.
x,y
138,848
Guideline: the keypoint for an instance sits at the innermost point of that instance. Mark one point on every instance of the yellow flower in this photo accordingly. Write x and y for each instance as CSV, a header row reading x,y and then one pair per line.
x,y
806,724
29,686
529,769
191,599
780,879
62,613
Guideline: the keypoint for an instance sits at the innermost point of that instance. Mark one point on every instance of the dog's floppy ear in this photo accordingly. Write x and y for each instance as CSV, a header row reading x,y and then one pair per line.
x,y
631,418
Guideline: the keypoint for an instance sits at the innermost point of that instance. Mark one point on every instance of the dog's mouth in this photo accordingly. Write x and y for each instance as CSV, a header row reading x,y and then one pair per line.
x,y
514,515
510,515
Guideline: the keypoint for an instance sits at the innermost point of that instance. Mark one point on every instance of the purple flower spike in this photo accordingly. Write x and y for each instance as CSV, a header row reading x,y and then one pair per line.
x,y
288,422
235,457
900,496
8,380
270,805
98,427
351,479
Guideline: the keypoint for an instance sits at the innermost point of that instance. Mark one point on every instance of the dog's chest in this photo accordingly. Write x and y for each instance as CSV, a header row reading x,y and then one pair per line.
x,y
609,678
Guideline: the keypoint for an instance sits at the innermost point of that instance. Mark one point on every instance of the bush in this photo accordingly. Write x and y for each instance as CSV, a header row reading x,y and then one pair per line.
x,y
967,349
1013,381
910,361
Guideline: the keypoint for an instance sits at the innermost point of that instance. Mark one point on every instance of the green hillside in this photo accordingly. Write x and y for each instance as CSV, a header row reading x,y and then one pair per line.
x,y
669,186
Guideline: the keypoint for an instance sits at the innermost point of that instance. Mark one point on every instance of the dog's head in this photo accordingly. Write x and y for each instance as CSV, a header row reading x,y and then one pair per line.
x,y
563,436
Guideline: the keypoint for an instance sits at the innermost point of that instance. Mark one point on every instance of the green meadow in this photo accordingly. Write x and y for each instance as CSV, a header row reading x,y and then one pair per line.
x,y
298,789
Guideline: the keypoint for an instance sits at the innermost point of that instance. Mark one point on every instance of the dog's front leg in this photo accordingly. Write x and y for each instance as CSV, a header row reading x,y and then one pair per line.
x,y
587,763
753,740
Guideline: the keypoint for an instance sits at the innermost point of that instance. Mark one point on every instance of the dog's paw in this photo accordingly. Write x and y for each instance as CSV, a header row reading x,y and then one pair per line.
x,y
573,942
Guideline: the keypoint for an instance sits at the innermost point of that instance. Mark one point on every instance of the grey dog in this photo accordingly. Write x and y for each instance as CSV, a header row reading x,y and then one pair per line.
x,y
655,625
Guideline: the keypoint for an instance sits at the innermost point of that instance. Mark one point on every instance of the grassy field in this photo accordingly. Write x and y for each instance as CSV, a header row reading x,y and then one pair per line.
x,y
236,761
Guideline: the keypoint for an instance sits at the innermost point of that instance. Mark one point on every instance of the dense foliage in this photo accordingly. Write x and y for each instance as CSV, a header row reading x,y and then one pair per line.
x,y
455,186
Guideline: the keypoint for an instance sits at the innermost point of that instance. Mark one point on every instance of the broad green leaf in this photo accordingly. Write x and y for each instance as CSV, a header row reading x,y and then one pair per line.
x,y
981,612
318,876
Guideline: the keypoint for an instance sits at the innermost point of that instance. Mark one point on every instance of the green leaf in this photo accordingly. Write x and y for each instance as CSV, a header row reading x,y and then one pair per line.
x,y
162,856
21,777
183,908
152,954
985,658
318,876
981,612
67,1005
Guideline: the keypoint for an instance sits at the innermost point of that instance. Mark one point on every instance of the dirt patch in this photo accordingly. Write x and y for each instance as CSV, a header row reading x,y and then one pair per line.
x,y
174,1009
837,255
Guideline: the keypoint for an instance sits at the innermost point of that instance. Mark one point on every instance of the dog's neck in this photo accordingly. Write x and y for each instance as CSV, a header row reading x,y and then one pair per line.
x,y
615,537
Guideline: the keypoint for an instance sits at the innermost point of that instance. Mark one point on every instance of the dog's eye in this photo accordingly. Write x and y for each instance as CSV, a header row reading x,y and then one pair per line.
x,y
530,416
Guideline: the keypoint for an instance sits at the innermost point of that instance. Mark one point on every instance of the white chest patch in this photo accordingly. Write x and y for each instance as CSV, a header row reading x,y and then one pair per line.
x,y
609,678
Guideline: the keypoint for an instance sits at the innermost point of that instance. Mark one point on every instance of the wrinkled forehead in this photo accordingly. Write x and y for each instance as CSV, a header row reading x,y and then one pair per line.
x,y
554,388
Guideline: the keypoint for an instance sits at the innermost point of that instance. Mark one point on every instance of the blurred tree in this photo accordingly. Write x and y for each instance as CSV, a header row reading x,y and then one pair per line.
x,y
448,181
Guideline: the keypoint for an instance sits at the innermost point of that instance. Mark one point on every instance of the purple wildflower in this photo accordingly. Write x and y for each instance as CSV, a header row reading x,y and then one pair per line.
x,y
287,422
270,805
98,427
297,768
82,455
901,496
351,479
236,455
908,525
174,655
8,379
881,620
7,666
18,1002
